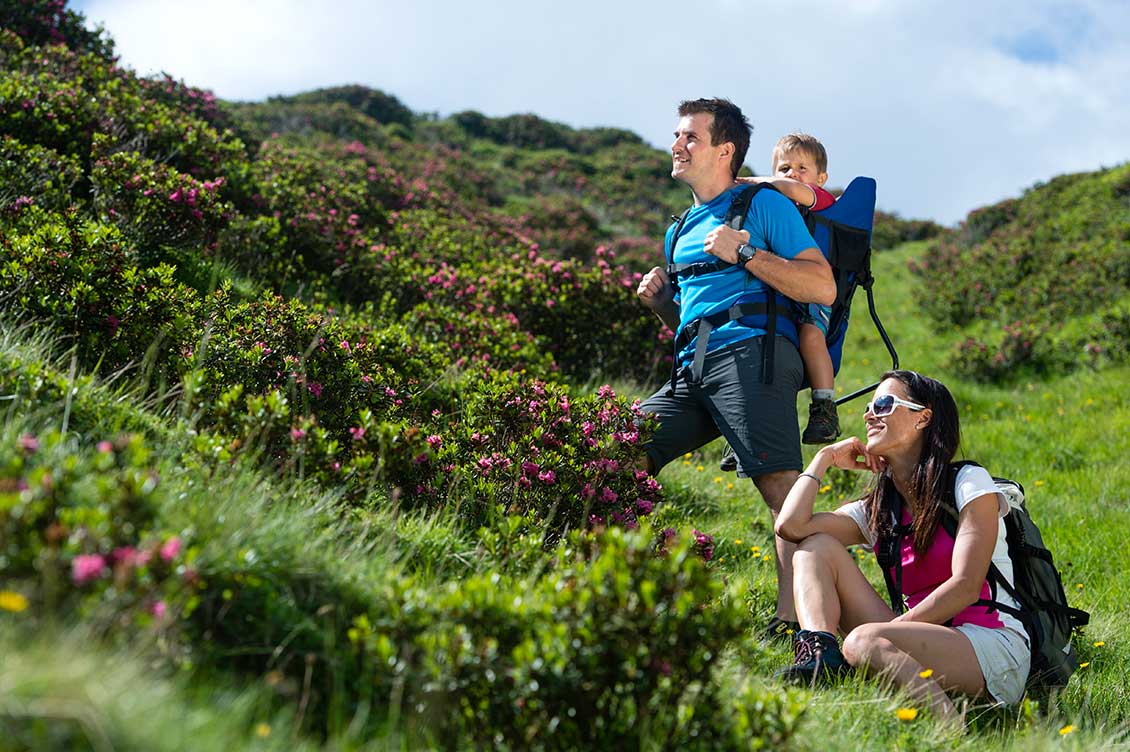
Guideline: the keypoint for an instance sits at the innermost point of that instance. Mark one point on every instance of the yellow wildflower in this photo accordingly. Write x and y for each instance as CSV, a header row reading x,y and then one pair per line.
x,y
906,714
1084,664
11,601
1099,643
927,673
1069,728
262,730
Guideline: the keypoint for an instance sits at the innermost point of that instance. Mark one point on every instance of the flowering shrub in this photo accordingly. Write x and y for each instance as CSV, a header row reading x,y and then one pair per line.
x,y
79,520
154,205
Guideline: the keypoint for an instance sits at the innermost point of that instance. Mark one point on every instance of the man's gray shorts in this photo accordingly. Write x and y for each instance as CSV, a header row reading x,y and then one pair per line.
x,y
759,420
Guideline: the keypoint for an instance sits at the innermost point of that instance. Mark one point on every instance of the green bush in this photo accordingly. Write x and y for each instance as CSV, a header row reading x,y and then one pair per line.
x,y
36,175
80,279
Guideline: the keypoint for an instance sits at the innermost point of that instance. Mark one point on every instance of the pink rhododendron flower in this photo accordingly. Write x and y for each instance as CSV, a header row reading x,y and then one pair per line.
x,y
159,609
548,477
529,468
125,555
315,388
608,496
606,392
643,506
434,441
170,549
87,568
105,446
29,443
297,434
357,432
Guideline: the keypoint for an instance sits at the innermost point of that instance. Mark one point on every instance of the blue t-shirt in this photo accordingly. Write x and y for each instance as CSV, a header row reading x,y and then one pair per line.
x,y
772,222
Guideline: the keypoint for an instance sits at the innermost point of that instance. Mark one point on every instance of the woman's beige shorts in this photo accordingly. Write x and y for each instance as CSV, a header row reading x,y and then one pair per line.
x,y
1004,658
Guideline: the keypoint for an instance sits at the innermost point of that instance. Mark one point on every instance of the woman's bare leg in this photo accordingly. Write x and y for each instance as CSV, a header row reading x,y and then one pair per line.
x,y
902,651
831,593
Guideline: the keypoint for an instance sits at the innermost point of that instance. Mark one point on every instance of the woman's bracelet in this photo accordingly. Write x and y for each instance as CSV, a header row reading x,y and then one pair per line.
x,y
815,478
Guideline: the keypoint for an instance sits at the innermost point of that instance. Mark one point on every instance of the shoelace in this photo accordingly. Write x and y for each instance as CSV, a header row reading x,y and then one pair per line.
x,y
803,651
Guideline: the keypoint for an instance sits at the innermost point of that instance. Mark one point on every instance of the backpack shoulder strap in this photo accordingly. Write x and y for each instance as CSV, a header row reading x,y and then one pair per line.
x,y
739,206
669,245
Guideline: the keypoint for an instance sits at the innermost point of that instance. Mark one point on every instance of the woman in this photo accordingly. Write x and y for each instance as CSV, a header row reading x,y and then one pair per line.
x,y
942,642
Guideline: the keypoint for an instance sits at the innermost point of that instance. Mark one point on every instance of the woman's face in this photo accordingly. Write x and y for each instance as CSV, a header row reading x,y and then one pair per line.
x,y
899,432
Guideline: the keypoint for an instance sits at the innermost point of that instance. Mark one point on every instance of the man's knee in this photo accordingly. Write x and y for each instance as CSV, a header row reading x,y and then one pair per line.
x,y
774,487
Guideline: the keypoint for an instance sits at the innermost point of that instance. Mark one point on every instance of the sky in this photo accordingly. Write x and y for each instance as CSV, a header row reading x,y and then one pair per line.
x,y
949,105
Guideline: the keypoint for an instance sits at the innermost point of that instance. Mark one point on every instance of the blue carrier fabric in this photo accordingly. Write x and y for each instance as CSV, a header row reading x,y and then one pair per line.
x,y
843,234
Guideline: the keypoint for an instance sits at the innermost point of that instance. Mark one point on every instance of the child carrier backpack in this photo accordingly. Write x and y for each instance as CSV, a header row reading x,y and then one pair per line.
x,y
1036,587
843,234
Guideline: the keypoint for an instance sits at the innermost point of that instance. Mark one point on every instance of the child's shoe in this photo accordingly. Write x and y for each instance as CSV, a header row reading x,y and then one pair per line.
x,y
729,461
823,422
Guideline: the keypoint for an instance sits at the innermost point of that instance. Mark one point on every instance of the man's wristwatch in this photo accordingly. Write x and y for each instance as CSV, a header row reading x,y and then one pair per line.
x,y
746,252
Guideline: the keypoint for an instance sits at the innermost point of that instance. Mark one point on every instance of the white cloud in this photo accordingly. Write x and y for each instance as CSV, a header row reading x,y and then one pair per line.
x,y
951,106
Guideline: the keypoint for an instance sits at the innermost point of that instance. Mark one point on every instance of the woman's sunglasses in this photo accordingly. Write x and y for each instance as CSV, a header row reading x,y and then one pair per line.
x,y
885,404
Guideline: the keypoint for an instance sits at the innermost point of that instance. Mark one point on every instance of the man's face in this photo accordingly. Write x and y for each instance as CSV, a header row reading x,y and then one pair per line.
x,y
693,156
799,165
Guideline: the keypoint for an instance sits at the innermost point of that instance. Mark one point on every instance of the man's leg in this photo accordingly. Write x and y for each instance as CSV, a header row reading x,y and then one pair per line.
x,y
760,422
684,425
774,487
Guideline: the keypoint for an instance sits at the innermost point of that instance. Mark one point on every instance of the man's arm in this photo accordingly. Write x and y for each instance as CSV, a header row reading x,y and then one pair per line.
x,y
655,292
805,278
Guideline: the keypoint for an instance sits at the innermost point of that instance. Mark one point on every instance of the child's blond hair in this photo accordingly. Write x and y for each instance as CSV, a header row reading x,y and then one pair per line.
x,y
801,142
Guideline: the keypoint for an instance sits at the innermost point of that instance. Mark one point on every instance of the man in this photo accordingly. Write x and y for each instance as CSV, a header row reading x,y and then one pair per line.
x,y
733,378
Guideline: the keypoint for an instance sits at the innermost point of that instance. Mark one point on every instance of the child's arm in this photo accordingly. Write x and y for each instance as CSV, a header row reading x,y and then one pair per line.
x,y
811,197
794,190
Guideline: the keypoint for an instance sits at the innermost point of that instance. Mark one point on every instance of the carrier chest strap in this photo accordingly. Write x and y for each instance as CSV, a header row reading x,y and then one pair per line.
x,y
700,329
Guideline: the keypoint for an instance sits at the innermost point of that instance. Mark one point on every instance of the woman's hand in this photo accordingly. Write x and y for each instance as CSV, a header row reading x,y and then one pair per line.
x,y
852,454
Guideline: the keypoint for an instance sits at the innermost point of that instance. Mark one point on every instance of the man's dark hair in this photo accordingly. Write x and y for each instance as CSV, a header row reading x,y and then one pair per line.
x,y
729,125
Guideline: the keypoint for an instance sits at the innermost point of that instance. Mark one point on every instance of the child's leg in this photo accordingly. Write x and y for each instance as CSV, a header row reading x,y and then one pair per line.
x,y
817,361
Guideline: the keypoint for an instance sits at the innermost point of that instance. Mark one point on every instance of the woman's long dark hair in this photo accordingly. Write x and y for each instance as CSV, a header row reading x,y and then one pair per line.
x,y
932,471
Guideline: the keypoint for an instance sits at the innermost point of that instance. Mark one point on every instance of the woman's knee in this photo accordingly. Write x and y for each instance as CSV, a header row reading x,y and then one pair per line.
x,y
863,644
820,544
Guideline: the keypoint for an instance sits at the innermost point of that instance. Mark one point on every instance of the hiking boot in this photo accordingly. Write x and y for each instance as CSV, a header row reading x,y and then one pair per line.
x,y
729,462
818,659
779,629
823,422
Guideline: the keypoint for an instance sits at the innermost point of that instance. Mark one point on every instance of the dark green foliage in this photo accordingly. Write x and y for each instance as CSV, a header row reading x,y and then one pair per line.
x,y
82,280
44,22
1028,274
36,174
891,230
382,107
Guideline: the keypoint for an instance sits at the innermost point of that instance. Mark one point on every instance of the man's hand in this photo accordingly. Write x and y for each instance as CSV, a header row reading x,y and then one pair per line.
x,y
723,242
655,289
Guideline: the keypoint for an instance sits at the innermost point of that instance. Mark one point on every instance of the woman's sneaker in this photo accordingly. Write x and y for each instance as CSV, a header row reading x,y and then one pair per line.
x,y
818,659
823,422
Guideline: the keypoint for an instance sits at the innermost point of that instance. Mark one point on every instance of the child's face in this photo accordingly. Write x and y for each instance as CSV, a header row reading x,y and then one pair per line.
x,y
798,165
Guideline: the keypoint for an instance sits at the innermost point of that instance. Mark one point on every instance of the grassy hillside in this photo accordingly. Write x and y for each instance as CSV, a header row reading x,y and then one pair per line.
x,y
307,444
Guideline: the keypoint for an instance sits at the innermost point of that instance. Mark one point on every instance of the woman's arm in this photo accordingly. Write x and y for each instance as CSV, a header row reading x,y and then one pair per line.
x,y
796,520
972,554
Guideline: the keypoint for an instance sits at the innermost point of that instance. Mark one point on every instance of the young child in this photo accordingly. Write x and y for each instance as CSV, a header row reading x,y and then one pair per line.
x,y
800,169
